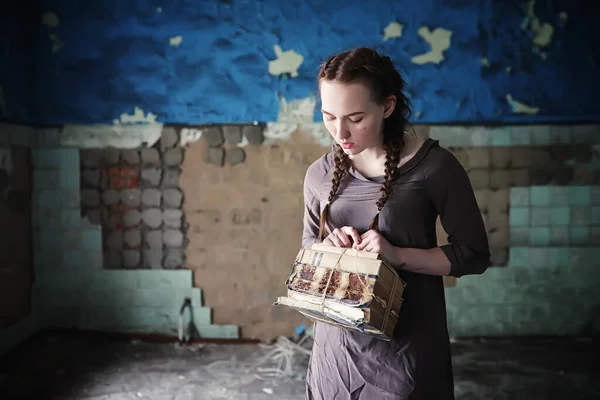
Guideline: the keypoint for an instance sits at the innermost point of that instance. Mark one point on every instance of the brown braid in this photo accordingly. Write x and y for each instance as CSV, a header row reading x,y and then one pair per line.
x,y
392,159
379,73
341,166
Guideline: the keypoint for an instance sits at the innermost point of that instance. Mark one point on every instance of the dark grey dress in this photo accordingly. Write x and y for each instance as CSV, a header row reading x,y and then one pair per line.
x,y
417,363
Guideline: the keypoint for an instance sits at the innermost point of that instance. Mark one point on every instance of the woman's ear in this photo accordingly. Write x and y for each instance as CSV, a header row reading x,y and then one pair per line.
x,y
389,106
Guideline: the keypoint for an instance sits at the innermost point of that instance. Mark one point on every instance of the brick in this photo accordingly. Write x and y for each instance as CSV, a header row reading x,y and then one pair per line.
x,y
540,135
114,240
55,158
90,198
479,157
173,218
57,199
235,156
501,137
581,215
500,157
110,197
539,236
521,157
499,239
540,216
131,197
540,196
519,196
595,216
559,236
112,259
151,176
520,136
131,218
131,258
483,199
94,216
561,134
173,197
173,157
153,239
595,236
521,177
152,217
595,195
519,216
173,259
173,238
150,156
541,158
579,235
171,177
498,201
165,279
132,238
153,258
480,178
151,197
130,156
500,179
69,178
580,195
169,137
560,216
499,257
215,156
253,134
91,239
91,158
43,179
213,136
232,134
91,177
109,156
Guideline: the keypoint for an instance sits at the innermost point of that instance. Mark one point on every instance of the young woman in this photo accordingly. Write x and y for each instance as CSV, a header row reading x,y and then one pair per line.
x,y
380,190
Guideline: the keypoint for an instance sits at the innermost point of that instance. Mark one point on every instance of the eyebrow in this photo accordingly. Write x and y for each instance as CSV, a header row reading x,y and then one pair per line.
x,y
348,115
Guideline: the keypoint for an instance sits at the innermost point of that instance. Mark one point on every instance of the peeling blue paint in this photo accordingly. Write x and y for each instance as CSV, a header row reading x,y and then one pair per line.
x,y
116,55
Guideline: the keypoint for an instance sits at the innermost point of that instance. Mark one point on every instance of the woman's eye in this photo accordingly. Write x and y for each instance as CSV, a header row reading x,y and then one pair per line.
x,y
355,121
328,118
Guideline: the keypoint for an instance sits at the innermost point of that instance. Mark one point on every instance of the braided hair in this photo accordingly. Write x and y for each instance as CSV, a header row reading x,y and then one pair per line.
x,y
378,72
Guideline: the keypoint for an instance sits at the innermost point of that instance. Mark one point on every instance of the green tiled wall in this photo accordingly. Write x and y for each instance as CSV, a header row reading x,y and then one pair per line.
x,y
71,289
551,284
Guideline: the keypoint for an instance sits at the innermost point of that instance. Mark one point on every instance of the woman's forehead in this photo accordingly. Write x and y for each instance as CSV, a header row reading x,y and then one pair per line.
x,y
341,97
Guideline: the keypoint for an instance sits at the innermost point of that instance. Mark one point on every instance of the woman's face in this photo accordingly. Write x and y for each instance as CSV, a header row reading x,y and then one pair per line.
x,y
351,116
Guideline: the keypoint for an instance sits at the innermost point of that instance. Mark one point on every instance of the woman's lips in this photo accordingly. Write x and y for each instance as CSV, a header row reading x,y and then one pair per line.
x,y
347,146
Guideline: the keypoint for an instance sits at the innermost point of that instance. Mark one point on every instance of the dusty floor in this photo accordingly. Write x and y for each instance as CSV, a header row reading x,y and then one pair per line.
x,y
67,366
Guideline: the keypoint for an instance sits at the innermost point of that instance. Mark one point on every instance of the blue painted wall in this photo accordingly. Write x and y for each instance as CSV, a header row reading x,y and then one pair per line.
x,y
116,55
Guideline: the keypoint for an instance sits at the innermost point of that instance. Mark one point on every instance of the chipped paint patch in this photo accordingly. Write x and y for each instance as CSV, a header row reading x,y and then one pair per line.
x,y
287,62
542,32
57,44
189,135
485,62
300,110
50,19
508,70
393,30
438,40
159,9
137,117
521,108
99,136
175,41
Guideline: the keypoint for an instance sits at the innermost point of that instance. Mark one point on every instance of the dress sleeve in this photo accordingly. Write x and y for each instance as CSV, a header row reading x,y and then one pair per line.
x,y
312,212
452,195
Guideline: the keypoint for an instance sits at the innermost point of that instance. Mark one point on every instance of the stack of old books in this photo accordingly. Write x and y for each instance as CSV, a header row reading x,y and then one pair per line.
x,y
341,286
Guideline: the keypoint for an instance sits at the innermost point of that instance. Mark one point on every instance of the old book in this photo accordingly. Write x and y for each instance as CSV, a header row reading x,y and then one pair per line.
x,y
345,287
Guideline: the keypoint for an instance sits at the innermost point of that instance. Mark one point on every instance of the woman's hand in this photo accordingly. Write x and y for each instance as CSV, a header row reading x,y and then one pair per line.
x,y
346,236
372,241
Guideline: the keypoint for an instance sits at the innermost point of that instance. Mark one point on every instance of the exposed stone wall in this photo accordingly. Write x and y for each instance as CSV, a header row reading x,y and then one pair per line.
x,y
135,195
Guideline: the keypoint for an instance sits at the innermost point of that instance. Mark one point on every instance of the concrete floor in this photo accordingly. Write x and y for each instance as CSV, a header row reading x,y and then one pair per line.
x,y
80,366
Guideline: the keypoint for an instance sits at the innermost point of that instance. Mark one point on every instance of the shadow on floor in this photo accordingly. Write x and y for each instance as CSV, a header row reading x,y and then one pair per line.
x,y
67,365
